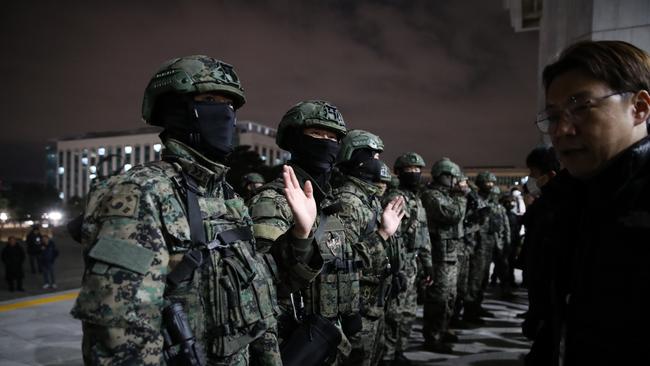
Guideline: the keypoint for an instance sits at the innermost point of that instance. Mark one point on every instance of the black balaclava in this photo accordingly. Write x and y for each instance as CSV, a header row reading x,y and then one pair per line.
x,y
315,156
206,126
409,180
363,165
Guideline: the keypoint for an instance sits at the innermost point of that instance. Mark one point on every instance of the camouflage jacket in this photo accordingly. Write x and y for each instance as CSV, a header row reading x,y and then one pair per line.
x,y
445,213
361,217
500,225
135,231
329,279
412,237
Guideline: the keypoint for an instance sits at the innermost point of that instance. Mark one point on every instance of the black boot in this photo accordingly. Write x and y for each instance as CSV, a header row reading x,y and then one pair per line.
x,y
438,347
401,360
449,337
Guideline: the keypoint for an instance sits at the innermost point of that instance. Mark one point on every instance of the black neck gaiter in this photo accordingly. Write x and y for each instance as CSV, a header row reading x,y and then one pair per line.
x,y
409,180
207,127
316,157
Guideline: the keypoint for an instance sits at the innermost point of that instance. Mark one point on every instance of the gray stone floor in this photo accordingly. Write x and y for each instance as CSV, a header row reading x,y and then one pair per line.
x,y
48,335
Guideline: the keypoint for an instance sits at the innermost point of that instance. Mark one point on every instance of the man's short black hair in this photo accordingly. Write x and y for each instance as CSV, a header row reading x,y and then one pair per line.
x,y
544,159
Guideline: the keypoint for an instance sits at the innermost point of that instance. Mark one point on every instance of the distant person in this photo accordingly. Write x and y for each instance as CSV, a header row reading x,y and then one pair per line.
x,y
597,105
48,255
34,248
251,182
544,166
13,257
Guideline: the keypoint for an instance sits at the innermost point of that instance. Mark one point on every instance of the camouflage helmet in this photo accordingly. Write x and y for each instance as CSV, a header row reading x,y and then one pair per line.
x,y
409,159
445,166
311,113
384,173
358,139
252,178
191,75
484,177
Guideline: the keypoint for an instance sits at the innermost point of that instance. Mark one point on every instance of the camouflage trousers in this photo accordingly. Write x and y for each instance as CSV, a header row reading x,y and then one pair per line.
x,y
400,315
479,264
439,300
367,343
96,354
464,254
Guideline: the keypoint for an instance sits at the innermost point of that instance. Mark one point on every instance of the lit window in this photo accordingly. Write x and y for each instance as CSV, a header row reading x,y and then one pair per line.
x,y
61,170
128,149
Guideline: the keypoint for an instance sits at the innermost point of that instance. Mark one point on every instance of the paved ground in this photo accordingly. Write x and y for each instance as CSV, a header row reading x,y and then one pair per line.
x,y
39,331
36,329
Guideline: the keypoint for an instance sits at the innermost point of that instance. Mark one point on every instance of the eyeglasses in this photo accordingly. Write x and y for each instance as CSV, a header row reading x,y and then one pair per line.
x,y
575,112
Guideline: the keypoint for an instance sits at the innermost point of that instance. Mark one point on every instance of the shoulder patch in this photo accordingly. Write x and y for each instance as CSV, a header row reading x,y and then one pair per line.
x,y
123,253
121,202
264,209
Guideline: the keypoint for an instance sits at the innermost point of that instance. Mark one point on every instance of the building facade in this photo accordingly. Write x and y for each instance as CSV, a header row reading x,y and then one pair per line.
x,y
75,161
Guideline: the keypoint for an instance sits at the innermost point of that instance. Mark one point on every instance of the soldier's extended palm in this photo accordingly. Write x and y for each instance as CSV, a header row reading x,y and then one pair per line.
x,y
392,216
302,203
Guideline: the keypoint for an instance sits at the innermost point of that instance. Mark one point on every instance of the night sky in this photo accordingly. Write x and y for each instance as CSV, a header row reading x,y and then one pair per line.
x,y
442,78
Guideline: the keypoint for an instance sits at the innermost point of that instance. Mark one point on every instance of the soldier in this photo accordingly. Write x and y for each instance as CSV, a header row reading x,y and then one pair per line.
x,y
444,203
368,227
482,256
311,131
251,182
465,250
502,247
413,242
385,179
172,275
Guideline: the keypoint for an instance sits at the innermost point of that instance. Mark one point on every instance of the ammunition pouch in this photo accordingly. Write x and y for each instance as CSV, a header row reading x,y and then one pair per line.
x,y
345,266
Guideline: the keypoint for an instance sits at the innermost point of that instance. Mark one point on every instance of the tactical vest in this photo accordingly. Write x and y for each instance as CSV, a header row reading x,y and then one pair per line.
x,y
445,238
336,289
371,279
237,300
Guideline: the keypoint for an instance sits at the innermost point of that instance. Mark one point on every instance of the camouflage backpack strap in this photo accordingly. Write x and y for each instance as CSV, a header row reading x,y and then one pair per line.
x,y
196,257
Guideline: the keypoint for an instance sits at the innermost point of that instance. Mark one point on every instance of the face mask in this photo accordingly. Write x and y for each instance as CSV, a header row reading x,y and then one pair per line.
x,y
410,179
316,154
445,180
216,126
532,186
369,171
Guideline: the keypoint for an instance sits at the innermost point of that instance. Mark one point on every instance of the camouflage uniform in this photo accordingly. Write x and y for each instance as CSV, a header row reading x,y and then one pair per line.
x,y
361,216
501,227
471,224
482,256
330,286
412,242
135,232
445,211
137,238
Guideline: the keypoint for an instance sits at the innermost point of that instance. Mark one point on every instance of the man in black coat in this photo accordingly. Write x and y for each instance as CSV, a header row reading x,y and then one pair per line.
x,y
13,257
597,105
